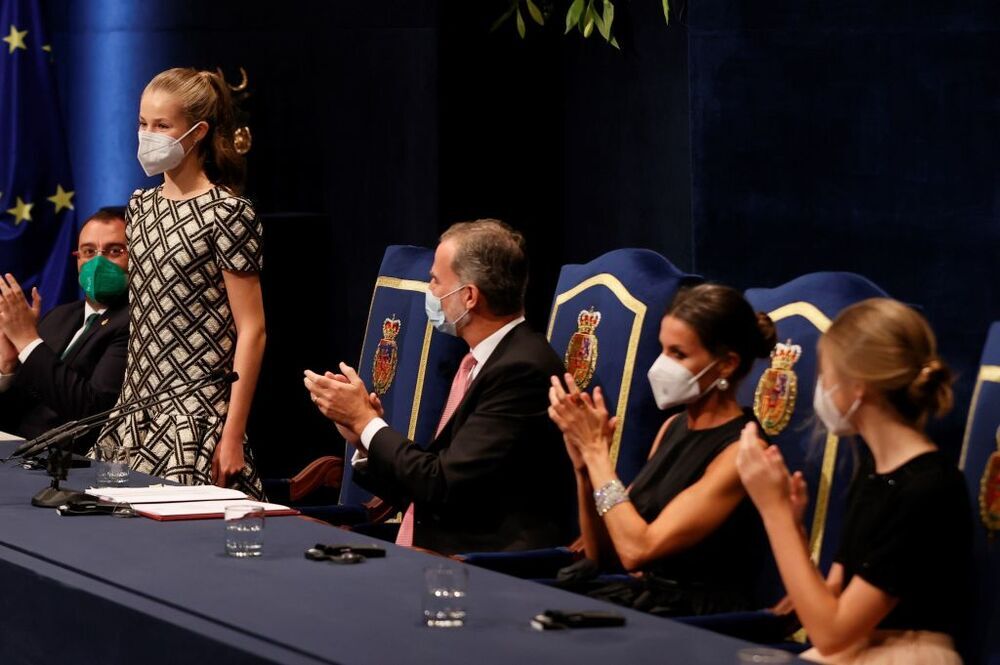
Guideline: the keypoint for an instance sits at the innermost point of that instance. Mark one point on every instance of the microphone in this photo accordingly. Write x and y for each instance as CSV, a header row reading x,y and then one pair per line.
x,y
75,428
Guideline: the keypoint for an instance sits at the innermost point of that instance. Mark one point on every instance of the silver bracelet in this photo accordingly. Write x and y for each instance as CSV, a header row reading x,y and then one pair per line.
x,y
609,496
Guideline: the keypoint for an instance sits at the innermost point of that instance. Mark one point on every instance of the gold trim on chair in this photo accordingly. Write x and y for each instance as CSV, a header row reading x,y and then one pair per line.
x,y
989,373
821,322
400,284
630,303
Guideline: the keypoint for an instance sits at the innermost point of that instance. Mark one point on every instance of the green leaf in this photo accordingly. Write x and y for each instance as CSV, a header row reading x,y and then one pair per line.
x,y
609,16
602,21
520,23
666,11
535,12
614,42
573,14
506,15
588,26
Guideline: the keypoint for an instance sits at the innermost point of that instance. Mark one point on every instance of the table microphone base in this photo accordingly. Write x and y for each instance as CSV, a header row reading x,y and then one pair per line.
x,y
53,497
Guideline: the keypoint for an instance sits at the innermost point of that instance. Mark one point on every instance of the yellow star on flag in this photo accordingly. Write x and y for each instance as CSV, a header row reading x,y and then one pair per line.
x,y
15,39
61,198
21,212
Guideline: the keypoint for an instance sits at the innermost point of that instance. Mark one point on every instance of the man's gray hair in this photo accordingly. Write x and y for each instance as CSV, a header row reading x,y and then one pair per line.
x,y
490,254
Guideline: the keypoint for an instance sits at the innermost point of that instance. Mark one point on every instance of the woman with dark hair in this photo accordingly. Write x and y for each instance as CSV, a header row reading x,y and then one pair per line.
x,y
194,288
685,527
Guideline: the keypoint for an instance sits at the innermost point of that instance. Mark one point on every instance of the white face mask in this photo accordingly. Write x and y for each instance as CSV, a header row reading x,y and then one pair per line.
x,y
837,423
674,384
436,315
159,152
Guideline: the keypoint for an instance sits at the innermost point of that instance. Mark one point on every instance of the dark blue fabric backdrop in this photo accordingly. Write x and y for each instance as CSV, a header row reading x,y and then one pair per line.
x,y
748,143
854,136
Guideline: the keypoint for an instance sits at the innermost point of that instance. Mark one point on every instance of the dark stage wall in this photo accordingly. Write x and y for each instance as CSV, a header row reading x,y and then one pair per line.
x,y
750,143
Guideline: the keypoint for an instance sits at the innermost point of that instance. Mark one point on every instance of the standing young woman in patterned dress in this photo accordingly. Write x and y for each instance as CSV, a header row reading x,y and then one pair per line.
x,y
194,288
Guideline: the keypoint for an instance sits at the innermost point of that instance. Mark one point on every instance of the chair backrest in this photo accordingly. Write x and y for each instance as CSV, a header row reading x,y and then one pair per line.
x,y
605,322
980,461
403,359
802,310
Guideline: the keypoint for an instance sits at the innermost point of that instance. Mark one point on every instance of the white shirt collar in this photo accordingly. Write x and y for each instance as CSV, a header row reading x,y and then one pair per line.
x,y
485,348
88,310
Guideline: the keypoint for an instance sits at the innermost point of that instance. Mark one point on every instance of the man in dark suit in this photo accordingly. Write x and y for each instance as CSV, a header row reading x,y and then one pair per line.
x,y
496,477
71,363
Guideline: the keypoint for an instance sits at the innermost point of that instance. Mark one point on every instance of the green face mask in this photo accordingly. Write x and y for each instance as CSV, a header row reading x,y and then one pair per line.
x,y
103,281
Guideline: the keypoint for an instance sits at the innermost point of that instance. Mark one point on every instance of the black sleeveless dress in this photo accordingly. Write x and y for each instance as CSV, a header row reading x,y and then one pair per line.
x,y
718,574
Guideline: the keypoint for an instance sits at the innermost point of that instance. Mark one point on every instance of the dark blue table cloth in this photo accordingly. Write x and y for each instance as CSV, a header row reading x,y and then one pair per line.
x,y
109,590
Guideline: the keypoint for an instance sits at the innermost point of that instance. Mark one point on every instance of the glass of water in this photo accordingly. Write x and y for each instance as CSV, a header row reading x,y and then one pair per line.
x,y
113,461
244,530
444,596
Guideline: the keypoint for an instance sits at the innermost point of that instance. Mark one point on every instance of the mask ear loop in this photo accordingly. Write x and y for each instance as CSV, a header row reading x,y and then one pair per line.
x,y
441,300
714,384
700,374
181,137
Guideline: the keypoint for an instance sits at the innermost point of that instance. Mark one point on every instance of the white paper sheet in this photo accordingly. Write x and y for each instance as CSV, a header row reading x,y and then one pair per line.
x,y
165,493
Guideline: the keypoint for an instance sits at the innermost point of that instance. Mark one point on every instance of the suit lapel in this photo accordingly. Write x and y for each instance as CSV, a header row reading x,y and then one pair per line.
x,y
102,322
461,411
59,326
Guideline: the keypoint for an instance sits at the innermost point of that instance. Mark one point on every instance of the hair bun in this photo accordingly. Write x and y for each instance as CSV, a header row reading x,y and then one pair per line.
x,y
931,387
768,335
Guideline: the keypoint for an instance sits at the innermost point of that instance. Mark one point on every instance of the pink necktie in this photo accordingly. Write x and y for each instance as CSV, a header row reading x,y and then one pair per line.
x,y
458,387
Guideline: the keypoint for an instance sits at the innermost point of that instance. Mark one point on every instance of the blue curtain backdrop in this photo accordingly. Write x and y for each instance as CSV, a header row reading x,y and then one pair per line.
x,y
748,143
37,196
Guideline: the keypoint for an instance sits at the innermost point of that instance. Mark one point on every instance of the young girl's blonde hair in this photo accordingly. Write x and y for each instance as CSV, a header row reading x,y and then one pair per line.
x,y
891,348
205,96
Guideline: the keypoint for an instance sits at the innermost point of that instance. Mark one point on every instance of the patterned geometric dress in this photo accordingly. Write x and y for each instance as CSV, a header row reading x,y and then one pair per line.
x,y
182,329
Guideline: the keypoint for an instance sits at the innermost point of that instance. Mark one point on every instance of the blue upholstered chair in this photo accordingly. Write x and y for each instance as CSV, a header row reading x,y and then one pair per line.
x,y
802,310
980,461
405,361
605,323
623,295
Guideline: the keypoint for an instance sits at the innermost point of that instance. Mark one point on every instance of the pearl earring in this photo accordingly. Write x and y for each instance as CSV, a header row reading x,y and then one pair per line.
x,y
723,384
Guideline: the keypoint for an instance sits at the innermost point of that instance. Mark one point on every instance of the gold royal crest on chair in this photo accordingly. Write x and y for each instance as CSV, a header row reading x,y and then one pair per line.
x,y
989,491
774,399
386,356
581,354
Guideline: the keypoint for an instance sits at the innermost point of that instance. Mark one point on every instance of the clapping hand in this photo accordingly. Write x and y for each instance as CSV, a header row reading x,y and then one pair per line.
x,y
18,319
584,421
763,472
343,399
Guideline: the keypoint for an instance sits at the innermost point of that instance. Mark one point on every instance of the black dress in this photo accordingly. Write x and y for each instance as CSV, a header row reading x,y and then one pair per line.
x,y
909,533
718,574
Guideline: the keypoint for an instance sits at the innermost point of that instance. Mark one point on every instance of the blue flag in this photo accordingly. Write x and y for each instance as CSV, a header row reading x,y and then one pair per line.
x,y
37,216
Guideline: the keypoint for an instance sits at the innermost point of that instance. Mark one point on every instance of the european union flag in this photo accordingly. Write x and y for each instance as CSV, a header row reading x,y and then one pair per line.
x,y
37,219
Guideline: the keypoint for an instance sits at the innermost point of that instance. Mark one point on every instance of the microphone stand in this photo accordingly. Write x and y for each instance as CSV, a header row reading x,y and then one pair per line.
x,y
60,454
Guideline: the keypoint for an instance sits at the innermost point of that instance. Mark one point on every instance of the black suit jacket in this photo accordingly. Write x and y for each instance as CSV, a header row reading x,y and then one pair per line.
x,y
497,477
47,391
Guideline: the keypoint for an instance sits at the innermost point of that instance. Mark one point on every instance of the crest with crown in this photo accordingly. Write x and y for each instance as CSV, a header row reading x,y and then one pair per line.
x,y
386,356
777,390
390,327
588,321
783,356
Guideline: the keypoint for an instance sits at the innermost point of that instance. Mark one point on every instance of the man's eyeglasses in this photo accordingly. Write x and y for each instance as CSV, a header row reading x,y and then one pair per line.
x,y
112,252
